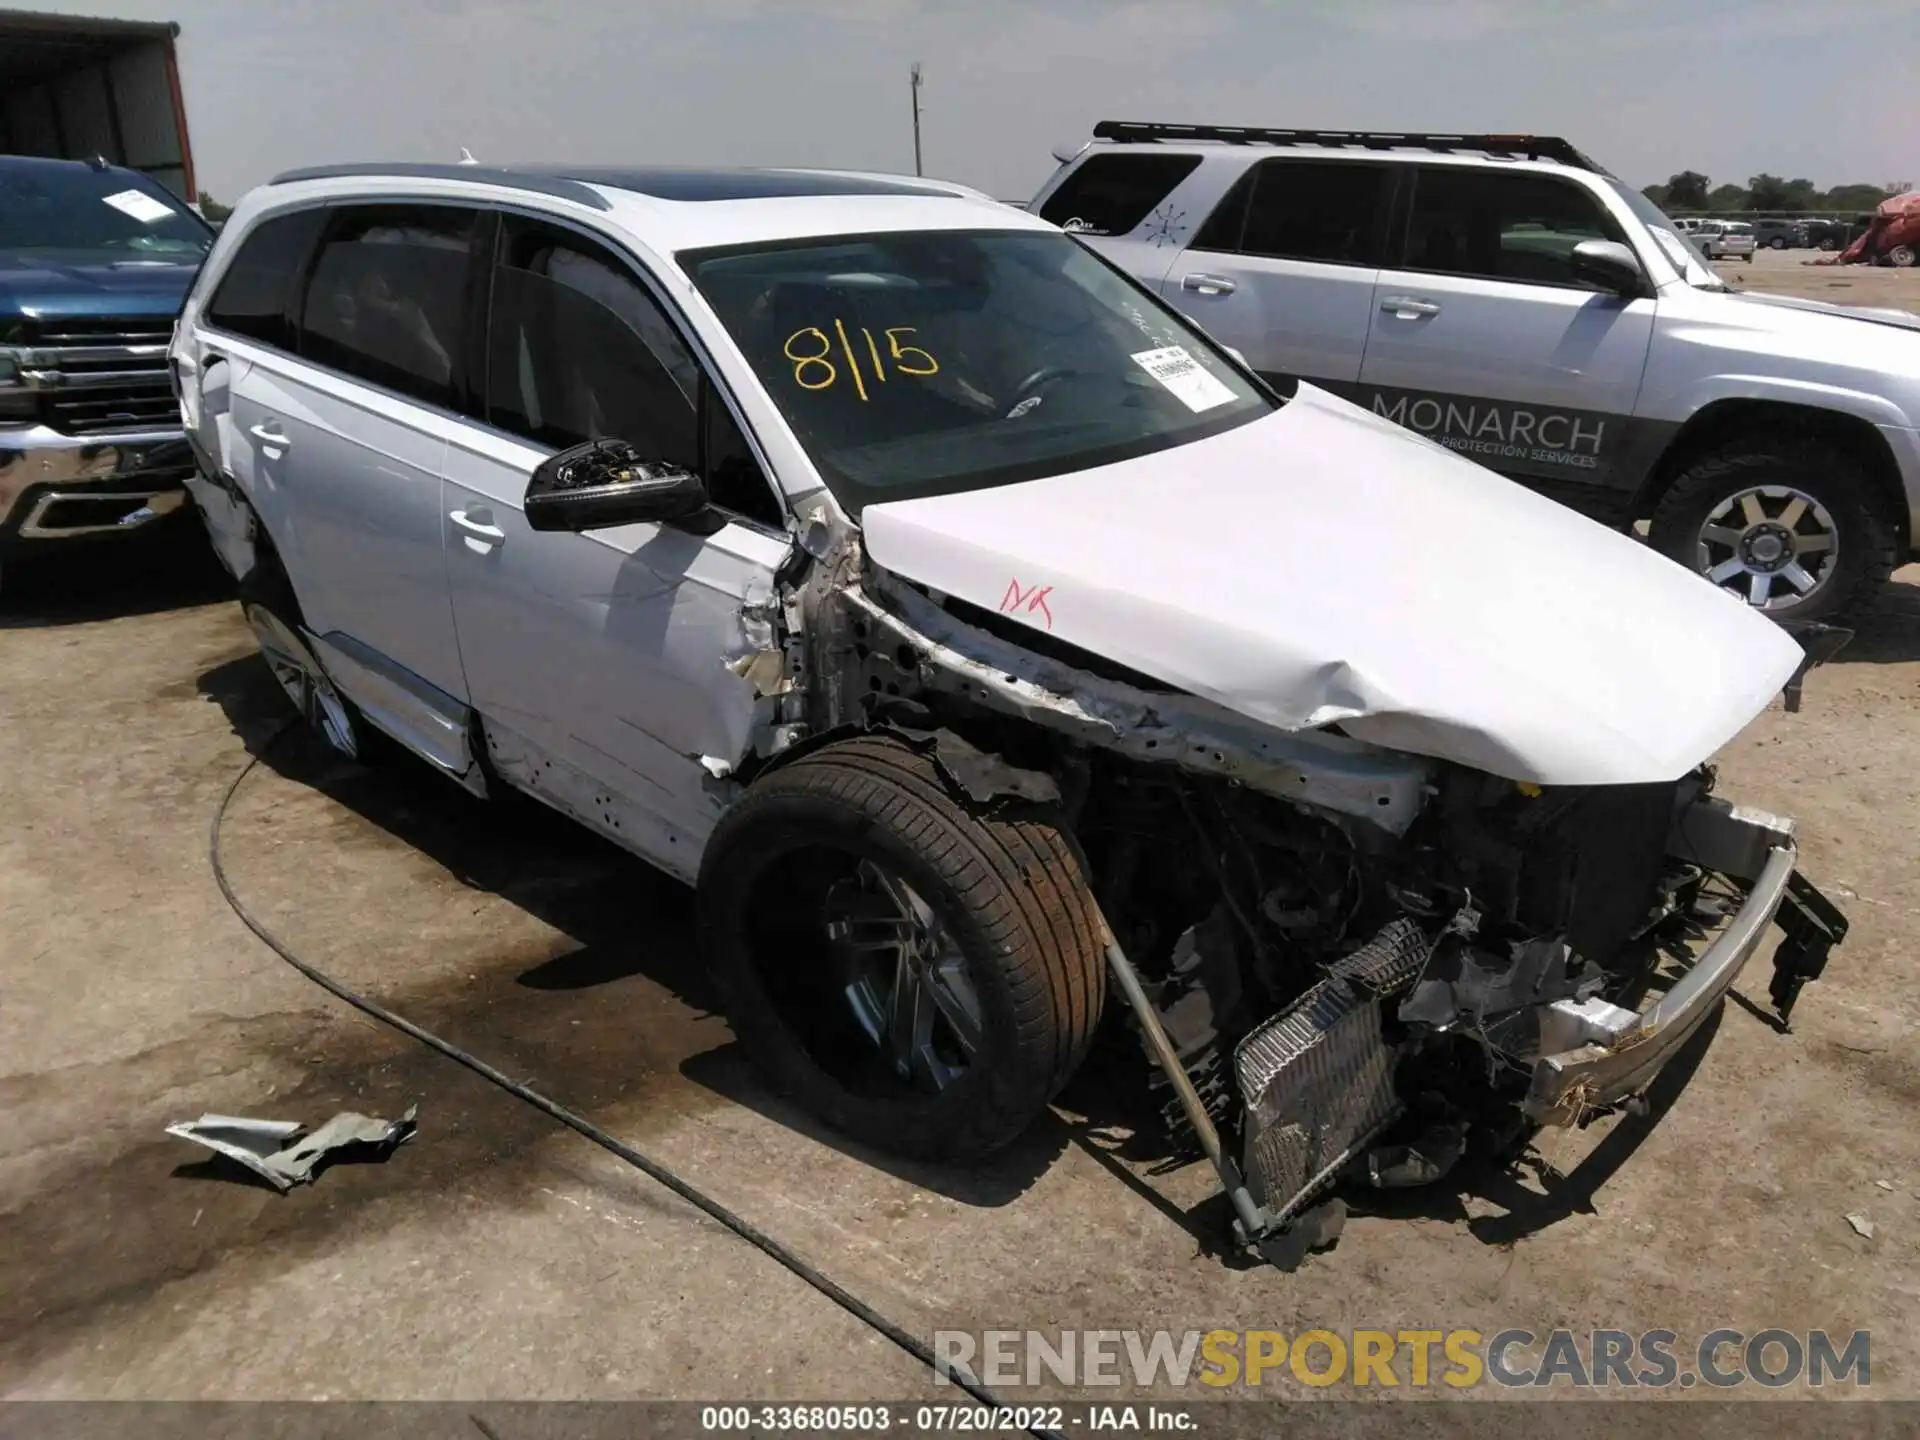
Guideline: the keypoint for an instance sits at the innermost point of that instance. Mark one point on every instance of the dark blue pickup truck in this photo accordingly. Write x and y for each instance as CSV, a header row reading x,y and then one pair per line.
x,y
94,262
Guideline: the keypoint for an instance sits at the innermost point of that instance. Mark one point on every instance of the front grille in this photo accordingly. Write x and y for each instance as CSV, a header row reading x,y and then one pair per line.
x,y
104,410
102,332
102,376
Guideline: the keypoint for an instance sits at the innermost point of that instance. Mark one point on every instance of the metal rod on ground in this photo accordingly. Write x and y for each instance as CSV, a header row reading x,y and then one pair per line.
x,y
914,85
1253,1222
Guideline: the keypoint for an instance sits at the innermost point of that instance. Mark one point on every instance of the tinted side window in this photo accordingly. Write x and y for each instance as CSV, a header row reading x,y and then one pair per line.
x,y
1501,226
252,296
388,295
578,350
1316,210
1110,194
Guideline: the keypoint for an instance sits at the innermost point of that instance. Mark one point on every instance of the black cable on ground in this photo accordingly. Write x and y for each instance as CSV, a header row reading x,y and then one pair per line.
x,y
652,1169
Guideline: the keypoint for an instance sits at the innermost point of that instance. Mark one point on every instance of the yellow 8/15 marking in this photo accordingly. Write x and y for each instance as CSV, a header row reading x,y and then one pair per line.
x,y
816,372
801,362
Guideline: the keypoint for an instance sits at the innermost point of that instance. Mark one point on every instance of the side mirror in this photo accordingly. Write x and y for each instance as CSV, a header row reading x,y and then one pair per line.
x,y
1610,265
608,482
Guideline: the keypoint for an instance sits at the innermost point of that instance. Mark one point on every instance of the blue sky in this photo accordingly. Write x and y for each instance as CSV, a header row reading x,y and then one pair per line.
x,y
1730,87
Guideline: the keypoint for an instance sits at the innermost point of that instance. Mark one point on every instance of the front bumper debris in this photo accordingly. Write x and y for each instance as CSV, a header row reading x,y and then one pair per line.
x,y
1608,1055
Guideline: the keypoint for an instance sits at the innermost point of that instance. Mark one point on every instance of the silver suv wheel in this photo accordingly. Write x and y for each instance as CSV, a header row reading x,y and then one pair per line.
x,y
306,684
907,977
1772,545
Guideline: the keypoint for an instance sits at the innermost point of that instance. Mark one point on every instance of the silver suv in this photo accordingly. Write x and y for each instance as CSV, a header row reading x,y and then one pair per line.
x,y
1505,296
970,629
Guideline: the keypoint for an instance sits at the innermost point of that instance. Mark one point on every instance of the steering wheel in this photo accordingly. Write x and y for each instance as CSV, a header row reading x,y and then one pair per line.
x,y
1030,387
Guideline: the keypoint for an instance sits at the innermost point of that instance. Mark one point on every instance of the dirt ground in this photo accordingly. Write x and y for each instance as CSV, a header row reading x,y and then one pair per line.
x,y
500,1256
1785,272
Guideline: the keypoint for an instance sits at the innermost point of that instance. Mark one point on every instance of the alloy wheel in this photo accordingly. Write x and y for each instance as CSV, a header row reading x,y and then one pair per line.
x,y
905,977
1771,545
305,683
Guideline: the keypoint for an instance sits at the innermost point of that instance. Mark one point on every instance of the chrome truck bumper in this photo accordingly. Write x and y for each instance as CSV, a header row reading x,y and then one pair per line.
x,y
58,487
1598,1055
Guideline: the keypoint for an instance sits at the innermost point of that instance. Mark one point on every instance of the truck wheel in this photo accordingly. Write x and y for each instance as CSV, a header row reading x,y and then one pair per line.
x,y
1902,255
1789,526
267,600
921,973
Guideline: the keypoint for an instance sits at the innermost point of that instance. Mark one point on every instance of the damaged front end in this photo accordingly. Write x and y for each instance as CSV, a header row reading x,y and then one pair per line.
x,y
1345,960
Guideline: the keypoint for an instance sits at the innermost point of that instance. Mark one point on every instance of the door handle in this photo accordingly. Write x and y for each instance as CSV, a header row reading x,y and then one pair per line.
x,y
481,537
1409,307
1208,284
271,438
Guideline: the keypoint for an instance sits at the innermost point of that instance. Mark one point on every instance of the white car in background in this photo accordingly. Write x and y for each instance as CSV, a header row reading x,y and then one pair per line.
x,y
1726,240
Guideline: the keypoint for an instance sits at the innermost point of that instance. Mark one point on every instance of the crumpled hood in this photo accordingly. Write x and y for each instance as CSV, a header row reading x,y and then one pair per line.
x,y
69,284
1322,566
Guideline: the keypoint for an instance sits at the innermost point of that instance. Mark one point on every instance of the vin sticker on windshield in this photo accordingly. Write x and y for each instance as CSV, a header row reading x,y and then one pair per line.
x,y
1180,373
140,205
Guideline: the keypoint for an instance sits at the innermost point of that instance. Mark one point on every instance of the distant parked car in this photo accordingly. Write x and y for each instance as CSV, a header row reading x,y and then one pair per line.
x,y
1725,240
1780,234
1826,234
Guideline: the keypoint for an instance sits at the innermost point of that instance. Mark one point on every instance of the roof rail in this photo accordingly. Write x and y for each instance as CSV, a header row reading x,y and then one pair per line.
x,y
479,174
1530,147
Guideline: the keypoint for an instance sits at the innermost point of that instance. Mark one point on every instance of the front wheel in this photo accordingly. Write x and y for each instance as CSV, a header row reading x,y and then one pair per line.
x,y
1789,526
922,974
1903,256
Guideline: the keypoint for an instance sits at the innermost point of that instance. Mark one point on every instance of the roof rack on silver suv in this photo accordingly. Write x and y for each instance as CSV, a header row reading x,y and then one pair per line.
x,y
1529,147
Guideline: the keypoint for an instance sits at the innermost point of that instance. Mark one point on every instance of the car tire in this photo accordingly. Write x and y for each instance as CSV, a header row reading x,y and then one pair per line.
x,y
1902,256
273,614
1779,242
1836,500
992,903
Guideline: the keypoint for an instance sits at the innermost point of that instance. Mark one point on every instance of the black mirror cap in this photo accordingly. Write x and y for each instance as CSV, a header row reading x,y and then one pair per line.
x,y
1610,265
604,483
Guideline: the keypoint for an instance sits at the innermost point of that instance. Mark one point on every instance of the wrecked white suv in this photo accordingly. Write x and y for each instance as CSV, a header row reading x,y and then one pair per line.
x,y
972,632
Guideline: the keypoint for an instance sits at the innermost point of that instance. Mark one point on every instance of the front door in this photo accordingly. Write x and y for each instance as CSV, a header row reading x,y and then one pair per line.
x,y
599,661
1483,339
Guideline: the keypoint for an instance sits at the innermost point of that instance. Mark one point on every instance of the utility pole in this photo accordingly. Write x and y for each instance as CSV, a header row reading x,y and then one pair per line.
x,y
915,86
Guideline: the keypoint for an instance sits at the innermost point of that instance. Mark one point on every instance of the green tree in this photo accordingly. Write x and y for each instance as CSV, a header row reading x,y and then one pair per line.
x,y
1687,191
1766,192
1856,198
1802,194
1727,197
1656,193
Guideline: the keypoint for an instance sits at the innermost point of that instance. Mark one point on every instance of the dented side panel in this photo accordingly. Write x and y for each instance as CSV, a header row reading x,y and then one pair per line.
x,y
610,651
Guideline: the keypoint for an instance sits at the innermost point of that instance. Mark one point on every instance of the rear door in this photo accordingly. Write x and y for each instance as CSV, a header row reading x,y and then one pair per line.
x,y
346,442
1483,340
1284,268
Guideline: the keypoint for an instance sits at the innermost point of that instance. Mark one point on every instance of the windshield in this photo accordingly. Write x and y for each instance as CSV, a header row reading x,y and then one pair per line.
x,y
75,207
921,363
1686,260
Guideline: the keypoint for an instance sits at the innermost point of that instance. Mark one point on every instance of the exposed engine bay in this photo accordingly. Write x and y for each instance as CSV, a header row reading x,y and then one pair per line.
x,y
1349,961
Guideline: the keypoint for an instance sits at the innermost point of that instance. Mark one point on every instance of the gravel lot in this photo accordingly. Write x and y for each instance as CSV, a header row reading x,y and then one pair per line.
x,y
499,1256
